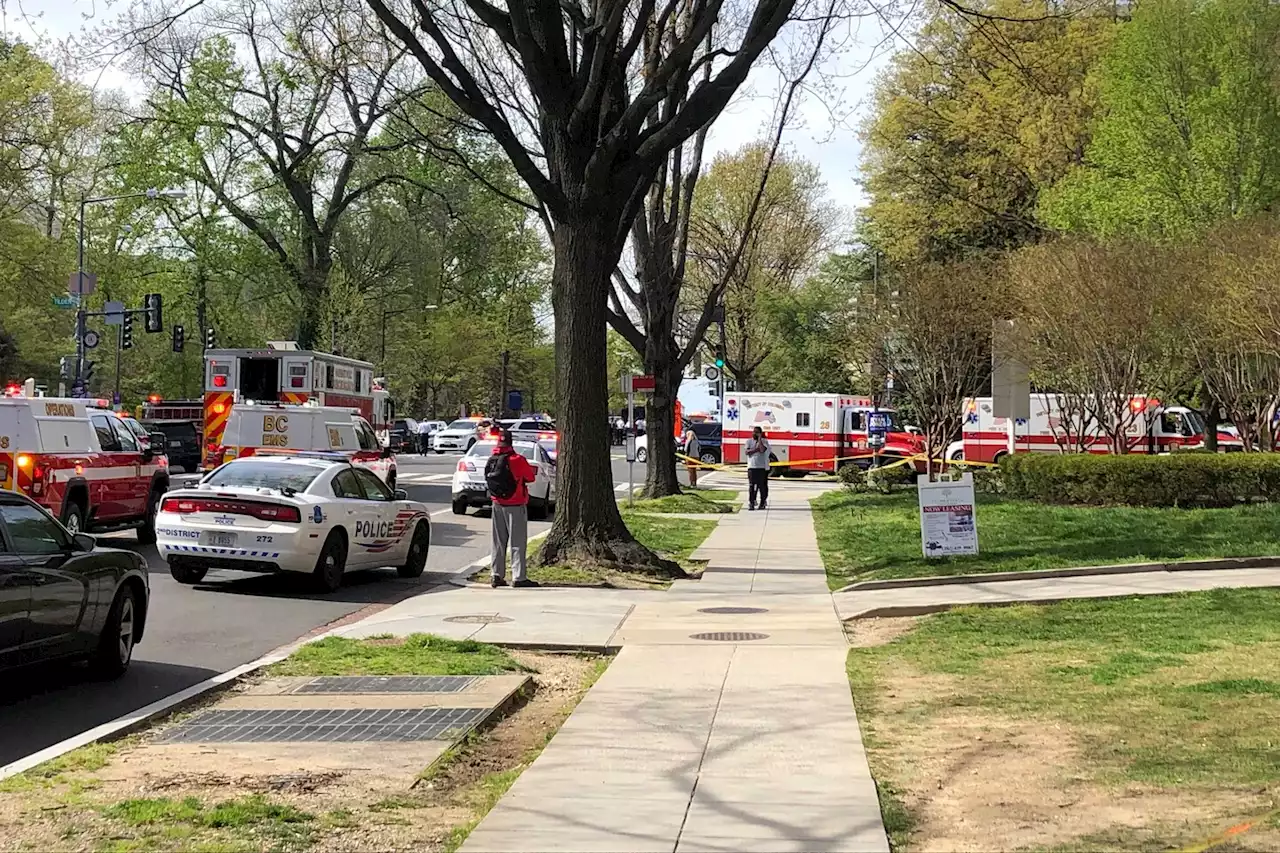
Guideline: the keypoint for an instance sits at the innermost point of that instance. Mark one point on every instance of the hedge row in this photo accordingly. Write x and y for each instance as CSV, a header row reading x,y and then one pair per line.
x,y
1179,479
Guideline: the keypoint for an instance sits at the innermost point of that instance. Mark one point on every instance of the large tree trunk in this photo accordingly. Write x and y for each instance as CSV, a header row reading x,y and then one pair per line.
x,y
588,525
660,415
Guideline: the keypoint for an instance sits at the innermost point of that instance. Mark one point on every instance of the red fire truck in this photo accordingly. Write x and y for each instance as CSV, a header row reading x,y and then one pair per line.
x,y
281,373
810,432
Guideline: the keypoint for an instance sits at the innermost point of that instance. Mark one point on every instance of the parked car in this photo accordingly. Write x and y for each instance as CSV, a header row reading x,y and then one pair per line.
x,y
64,598
403,436
182,443
709,437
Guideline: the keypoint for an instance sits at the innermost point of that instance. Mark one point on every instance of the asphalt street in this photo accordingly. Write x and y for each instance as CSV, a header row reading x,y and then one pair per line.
x,y
195,632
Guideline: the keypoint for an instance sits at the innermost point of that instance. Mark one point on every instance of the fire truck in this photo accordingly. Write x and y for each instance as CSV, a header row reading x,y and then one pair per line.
x,y
281,373
811,432
1055,428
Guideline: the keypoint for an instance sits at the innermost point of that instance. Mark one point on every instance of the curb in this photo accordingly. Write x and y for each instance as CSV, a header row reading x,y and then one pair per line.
x,y
1216,564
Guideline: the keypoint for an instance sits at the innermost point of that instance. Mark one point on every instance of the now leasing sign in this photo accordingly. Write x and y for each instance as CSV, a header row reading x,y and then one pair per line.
x,y
948,519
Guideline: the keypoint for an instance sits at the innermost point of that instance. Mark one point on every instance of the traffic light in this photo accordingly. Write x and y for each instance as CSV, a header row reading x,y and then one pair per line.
x,y
126,332
151,303
88,372
179,338
209,340
720,356
65,366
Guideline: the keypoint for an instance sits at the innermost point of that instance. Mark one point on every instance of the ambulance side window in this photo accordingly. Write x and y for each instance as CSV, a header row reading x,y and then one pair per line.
x,y
802,419
106,433
855,421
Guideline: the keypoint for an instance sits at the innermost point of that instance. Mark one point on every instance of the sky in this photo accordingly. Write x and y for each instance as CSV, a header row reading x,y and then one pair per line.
x,y
824,131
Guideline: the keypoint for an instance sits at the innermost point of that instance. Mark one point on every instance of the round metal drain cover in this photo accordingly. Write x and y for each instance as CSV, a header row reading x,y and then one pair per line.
x,y
733,610
729,636
479,619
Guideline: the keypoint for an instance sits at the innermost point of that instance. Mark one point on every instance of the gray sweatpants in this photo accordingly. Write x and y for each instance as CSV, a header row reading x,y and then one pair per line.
x,y
510,525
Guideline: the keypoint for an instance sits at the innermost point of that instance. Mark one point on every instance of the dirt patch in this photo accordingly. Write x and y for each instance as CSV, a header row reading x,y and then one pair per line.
x,y
286,801
975,780
865,633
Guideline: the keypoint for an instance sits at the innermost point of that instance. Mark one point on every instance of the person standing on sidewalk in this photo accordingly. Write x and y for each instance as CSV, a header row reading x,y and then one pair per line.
x,y
508,475
692,452
758,469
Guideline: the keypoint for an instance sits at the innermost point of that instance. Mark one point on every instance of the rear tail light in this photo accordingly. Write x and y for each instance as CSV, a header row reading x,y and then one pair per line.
x,y
464,465
546,436
263,511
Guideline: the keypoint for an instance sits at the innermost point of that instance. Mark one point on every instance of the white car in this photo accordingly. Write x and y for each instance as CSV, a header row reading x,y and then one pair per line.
x,y
470,488
459,435
642,448
310,513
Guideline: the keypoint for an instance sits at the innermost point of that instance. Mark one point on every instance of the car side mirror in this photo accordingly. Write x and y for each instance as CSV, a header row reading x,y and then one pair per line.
x,y
401,495
158,439
83,542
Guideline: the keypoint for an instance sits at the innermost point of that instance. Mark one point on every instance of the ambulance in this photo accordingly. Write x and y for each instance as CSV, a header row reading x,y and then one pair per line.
x,y
276,427
282,373
811,432
1055,427
79,460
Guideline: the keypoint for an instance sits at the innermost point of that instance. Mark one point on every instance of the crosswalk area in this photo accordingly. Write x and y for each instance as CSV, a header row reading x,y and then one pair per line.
x,y
416,478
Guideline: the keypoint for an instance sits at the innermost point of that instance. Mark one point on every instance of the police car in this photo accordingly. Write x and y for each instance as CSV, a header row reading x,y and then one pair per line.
x,y
460,434
471,489
309,513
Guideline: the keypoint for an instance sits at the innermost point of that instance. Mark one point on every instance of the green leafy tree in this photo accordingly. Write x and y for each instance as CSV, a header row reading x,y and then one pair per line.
x,y
1190,134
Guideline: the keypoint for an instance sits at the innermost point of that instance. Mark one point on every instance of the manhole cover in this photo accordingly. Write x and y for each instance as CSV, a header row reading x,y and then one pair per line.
x,y
323,724
733,610
479,619
729,636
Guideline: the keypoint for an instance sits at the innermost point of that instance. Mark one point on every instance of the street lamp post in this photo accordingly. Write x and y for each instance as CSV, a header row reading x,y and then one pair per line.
x,y
173,193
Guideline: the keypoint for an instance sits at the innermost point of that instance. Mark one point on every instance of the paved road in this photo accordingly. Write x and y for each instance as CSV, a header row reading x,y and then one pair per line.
x,y
232,618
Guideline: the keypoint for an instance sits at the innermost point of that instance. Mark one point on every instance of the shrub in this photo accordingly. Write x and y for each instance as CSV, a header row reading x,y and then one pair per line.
x,y
882,480
1179,479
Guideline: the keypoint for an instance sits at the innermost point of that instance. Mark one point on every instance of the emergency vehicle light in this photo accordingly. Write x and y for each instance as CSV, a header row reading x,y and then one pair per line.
x,y
24,461
219,408
219,381
154,398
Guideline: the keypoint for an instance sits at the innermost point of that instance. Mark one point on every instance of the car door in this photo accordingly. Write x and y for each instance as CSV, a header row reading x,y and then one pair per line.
x,y
355,513
106,490
15,602
384,543
61,580
134,485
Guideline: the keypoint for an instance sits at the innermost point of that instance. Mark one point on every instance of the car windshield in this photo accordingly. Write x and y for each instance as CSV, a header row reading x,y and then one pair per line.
x,y
462,425
265,474
485,448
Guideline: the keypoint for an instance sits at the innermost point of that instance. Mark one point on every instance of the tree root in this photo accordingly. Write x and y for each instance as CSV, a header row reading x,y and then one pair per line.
x,y
626,556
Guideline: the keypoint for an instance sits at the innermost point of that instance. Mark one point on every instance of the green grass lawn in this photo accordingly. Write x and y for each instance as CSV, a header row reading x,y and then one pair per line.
x,y
686,502
673,538
870,536
418,654
1163,692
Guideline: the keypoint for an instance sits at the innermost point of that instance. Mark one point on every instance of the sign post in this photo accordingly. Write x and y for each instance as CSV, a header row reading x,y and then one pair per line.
x,y
948,519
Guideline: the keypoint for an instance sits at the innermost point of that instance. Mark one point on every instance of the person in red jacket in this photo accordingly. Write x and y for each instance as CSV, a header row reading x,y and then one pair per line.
x,y
510,511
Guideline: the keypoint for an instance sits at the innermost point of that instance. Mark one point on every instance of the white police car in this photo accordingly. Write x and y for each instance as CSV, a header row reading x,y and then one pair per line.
x,y
310,513
471,489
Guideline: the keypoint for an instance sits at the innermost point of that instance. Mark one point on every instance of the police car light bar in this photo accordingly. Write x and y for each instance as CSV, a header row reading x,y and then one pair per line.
x,y
334,455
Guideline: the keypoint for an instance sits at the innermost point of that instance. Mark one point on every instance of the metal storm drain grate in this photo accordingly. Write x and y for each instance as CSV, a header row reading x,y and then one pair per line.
x,y
733,610
386,684
327,725
477,620
730,636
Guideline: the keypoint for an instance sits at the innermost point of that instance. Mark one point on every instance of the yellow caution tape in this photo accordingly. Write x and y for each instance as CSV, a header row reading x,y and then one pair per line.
x,y
903,460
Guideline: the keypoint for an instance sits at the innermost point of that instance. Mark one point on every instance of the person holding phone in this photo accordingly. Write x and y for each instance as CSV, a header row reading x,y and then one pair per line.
x,y
758,469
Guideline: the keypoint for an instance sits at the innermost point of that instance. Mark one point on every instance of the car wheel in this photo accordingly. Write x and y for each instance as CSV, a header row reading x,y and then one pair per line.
x,y
73,517
708,458
537,509
440,453
416,560
115,644
147,532
642,455
459,507
187,574
331,563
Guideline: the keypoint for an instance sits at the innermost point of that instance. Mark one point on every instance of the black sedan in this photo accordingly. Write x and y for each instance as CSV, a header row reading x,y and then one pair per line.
x,y
64,598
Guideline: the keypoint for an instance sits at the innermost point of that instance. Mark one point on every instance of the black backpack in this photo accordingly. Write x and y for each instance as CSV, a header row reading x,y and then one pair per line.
x,y
498,476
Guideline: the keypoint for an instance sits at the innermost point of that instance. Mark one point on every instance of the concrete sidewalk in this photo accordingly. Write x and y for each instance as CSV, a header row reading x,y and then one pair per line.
x,y
689,744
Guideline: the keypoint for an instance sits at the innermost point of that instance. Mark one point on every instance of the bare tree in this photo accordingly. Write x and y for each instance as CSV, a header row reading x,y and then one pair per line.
x,y
569,89
939,343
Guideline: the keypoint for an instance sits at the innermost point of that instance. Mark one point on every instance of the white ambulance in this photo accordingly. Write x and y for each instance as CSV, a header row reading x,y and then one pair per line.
x,y
277,426
82,463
